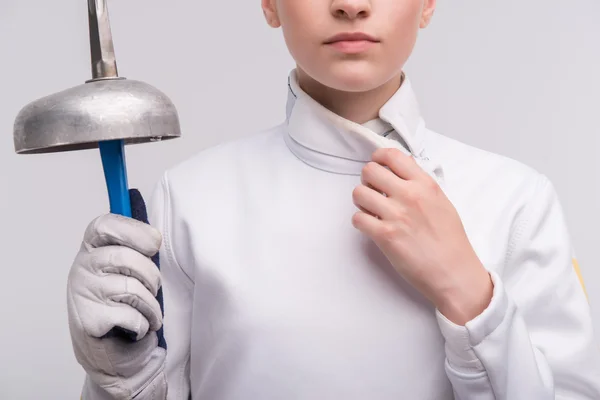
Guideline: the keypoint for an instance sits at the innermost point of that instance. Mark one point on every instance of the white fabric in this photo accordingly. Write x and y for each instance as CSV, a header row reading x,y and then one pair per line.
x,y
113,282
270,293
379,126
384,129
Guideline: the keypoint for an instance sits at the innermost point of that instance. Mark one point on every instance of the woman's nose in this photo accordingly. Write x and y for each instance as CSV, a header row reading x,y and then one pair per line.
x,y
351,9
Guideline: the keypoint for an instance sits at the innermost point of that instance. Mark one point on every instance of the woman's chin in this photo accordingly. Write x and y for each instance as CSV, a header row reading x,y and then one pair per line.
x,y
354,77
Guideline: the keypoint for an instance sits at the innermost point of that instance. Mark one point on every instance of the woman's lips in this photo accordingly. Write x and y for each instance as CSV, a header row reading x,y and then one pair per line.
x,y
351,43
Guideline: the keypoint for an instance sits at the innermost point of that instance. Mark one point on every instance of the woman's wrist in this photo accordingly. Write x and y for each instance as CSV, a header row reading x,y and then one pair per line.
x,y
468,298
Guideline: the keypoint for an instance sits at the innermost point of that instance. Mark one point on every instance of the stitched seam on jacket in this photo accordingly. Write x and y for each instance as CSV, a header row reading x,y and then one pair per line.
x,y
522,224
166,231
508,313
171,256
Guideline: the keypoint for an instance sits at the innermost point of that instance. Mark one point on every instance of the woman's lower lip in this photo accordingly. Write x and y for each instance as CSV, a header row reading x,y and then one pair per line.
x,y
352,46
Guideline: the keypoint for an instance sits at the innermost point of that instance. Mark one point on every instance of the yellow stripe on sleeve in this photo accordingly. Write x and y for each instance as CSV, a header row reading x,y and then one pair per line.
x,y
578,272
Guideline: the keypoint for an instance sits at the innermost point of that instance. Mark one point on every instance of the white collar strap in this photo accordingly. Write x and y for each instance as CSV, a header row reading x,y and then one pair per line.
x,y
329,142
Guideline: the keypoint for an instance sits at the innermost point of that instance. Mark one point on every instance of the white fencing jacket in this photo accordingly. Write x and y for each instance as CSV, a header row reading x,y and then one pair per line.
x,y
272,294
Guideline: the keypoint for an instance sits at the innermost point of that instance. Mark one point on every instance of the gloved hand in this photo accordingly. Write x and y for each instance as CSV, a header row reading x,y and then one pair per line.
x,y
113,310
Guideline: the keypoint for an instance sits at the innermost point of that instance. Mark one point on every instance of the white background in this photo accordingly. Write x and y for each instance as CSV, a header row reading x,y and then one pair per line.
x,y
520,78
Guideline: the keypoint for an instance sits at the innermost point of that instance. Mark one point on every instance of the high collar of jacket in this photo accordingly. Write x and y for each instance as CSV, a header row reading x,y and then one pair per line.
x,y
334,144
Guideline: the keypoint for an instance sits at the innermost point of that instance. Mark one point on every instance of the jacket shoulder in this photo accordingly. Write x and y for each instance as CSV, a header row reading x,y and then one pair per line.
x,y
468,163
224,159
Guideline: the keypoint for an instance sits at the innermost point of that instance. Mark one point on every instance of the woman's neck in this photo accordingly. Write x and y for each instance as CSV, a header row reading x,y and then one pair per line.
x,y
358,107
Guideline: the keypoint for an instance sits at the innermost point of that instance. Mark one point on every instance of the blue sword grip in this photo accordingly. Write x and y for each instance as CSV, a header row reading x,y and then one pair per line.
x,y
115,172
119,195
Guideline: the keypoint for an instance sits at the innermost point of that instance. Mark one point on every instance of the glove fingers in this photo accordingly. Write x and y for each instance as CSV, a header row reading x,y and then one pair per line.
x,y
134,294
119,260
97,319
130,355
114,229
129,318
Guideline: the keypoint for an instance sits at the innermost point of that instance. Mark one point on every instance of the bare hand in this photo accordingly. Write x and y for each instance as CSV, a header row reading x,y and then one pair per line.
x,y
406,213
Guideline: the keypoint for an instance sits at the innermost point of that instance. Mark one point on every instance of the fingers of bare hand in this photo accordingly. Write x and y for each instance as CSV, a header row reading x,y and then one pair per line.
x,y
366,211
381,179
366,223
402,165
373,202
382,232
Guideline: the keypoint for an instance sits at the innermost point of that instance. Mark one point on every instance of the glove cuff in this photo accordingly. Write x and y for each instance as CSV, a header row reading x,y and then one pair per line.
x,y
146,385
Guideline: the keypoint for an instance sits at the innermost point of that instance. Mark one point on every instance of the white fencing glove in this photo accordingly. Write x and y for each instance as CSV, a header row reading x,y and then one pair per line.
x,y
115,317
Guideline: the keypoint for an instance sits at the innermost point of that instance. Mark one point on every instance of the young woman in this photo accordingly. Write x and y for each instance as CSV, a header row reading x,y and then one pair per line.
x,y
348,253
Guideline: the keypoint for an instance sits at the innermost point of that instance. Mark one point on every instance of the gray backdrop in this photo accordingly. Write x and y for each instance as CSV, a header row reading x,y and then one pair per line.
x,y
520,78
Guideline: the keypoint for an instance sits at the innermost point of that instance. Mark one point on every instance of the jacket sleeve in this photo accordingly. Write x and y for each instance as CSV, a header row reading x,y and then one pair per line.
x,y
177,288
535,341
